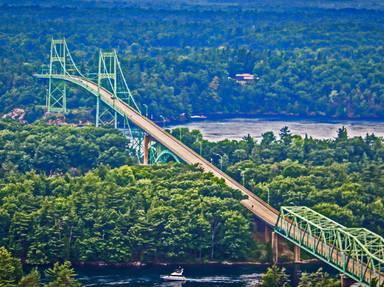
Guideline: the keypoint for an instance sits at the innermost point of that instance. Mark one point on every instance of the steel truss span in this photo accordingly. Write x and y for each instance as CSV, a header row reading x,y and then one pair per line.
x,y
357,253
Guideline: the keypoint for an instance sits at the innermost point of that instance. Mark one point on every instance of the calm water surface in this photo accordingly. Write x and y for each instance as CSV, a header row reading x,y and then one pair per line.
x,y
237,128
198,276
229,276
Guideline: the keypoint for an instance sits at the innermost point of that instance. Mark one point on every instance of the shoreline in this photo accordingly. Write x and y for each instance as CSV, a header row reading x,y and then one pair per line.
x,y
271,117
138,264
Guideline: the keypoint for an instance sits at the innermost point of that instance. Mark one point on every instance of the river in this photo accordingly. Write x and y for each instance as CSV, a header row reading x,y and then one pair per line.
x,y
198,275
236,128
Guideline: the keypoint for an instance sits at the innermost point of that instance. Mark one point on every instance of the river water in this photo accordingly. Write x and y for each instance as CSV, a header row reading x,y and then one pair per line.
x,y
197,275
236,128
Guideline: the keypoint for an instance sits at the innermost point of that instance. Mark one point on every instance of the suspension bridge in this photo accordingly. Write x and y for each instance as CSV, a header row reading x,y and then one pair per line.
x,y
356,252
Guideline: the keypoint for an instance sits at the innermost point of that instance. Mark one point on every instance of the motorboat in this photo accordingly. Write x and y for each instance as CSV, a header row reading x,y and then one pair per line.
x,y
177,275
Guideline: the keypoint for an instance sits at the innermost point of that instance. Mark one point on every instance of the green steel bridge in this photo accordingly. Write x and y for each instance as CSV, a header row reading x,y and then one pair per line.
x,y
356,252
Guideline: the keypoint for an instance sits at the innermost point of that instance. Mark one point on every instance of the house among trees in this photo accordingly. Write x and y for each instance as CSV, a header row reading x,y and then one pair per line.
x,y
17,114
244,78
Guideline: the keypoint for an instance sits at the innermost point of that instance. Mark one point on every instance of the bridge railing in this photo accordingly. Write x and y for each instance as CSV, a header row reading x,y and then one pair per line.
x,y
357,252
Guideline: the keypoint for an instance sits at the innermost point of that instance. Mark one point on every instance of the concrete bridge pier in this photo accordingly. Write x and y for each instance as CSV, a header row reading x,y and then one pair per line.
x,y
262,232
275,247
267,234
147,141
296,254
346,281
278,247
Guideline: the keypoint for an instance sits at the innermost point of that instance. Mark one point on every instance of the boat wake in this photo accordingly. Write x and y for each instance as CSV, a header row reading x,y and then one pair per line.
x,y
248,279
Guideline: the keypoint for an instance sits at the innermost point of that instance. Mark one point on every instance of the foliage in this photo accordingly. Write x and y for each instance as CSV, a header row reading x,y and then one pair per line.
x,y
10,269
170,212
30,280
317,279
307,61
61,275
11,274
275,277
55,150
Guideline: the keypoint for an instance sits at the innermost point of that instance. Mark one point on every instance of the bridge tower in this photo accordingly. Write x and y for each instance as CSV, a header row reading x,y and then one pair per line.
x,y
61,65
56,100
109,78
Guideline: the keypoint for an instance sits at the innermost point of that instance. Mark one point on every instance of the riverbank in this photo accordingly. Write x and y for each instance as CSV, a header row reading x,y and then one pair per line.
x,y
213,275
138,264
269,116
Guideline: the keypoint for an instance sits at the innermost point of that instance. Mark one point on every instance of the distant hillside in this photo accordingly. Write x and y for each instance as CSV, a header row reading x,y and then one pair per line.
x,y
182,60
336,4
328,4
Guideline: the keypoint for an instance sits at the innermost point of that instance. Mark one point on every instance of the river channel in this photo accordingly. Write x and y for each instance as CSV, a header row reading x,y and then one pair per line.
x,y
197,275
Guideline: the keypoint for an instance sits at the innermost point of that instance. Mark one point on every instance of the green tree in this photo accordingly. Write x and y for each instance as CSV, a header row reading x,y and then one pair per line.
x,y
236,238
267,138
275,277
10,269
318,279
285,136
342,134
61,275
30,280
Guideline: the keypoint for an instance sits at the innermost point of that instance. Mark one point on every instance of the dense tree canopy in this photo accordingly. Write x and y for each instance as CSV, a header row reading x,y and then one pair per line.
x,y
275,277
318,279
171,212
55,150
75,194
11,273
181,60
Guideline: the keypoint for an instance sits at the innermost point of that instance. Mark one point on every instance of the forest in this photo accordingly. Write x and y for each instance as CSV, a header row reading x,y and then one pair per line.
x,y
307,61
58,150
68,193
12,273
120,212
146,214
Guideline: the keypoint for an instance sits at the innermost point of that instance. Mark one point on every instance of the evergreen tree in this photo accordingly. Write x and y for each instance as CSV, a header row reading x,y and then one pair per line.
x,y
275,277
61,275
30,280
10,269
318,279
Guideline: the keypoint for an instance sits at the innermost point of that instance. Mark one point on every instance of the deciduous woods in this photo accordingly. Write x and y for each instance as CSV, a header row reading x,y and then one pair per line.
x,y
181,62
167,213
57,150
